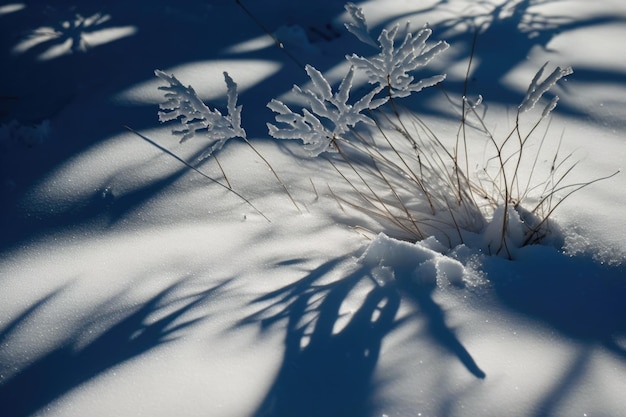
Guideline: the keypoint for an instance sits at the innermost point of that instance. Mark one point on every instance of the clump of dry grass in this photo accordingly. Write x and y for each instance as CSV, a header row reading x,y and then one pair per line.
x,y
403,174
398,170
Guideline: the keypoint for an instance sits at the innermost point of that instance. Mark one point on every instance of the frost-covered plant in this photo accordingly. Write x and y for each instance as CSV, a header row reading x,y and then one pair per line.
x,y
328,123
327,117
531,223
358,27
183,104
399,175
391,69
537,89
412,179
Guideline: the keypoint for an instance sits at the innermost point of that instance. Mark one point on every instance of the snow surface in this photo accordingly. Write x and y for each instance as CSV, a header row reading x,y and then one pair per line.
x,y
132,285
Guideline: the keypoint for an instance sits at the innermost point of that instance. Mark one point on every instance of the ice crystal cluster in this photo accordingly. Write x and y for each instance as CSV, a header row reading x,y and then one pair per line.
x,y
324,108
391,69
327,116
537,89
183,104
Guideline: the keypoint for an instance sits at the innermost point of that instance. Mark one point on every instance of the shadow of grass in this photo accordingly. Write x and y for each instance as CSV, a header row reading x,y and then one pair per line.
x,y
159,320
576,296
333,336
327,366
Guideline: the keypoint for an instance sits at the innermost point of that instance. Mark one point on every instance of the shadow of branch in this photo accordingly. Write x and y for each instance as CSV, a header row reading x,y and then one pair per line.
x,y
331,349
438,330
334,331
68,366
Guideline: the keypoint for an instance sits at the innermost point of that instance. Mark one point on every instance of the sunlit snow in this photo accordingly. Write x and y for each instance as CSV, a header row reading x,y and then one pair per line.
x,y
133,284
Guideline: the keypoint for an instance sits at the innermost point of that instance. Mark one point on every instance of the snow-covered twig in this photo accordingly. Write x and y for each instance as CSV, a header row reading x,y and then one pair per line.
x,y
359,25
328,115
391,68
537,89
183,104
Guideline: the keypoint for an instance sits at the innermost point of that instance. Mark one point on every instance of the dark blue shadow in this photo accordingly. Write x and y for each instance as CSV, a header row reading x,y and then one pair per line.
x,y
67,367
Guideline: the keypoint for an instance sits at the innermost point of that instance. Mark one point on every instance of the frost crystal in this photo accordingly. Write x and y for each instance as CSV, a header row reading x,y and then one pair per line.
x,y
183,103
328,115
537,89
391,68
359,27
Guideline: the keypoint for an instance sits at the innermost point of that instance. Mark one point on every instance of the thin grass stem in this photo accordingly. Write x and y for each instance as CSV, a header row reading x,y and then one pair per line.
x,y
188,165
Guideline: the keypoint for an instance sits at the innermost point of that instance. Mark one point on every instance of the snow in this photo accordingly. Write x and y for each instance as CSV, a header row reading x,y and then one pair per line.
x,y
132,285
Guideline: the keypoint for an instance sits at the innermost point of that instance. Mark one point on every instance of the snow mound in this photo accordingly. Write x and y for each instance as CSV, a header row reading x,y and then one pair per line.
x,y
424,262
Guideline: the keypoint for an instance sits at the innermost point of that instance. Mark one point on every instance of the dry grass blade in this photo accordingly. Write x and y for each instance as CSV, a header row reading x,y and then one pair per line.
x,y
576,188
188,165
273,171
